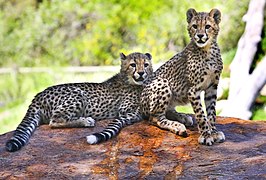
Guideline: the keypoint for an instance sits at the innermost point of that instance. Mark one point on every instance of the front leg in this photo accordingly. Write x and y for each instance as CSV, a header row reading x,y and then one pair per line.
x,y
203,124
210,102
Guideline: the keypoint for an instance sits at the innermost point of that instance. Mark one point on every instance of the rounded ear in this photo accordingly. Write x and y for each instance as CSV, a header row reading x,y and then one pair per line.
x,y
216,15
190,14
148,55
123,56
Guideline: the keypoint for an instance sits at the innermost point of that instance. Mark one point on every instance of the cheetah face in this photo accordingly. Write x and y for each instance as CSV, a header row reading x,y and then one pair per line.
x,y
137,67
203,27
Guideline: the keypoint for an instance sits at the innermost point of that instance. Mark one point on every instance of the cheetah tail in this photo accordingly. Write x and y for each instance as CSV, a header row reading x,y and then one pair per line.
x,y
24,131
109,132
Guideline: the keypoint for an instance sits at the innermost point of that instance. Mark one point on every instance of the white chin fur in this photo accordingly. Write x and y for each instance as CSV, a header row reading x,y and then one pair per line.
x,y
91,139
139,83
201,44
132,81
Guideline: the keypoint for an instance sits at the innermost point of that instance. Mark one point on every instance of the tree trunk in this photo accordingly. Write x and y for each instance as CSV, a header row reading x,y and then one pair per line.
x,y
244,87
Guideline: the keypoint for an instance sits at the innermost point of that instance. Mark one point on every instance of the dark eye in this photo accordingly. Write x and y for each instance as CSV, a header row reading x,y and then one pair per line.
x,y
133,65
146,64
207,27
194,26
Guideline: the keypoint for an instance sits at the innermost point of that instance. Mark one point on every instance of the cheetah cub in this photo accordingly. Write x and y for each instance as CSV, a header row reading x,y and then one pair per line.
x,y
81,104
181,80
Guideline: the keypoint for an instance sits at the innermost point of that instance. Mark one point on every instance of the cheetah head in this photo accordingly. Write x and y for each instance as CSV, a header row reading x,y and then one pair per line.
x,y
137,67
203,27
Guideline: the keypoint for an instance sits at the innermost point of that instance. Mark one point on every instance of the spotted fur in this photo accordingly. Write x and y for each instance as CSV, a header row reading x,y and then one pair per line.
x,y
81,104
181,80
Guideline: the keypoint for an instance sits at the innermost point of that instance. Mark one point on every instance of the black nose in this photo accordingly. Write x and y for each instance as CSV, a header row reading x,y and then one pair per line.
x,y
200,35
141,73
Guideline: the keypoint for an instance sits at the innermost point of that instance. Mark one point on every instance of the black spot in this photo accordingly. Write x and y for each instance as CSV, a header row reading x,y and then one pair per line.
x,y
184,134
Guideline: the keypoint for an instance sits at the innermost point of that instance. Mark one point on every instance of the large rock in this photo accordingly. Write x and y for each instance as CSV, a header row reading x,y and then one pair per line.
x,y
141,151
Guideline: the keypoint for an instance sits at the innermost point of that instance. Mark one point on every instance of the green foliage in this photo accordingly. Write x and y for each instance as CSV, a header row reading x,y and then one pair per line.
x,y
185,109
258,113
227,59
93,32
16,96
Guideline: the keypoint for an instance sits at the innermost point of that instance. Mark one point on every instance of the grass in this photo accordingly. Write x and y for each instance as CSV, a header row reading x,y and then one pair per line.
x,y
259,114
227,59
259,108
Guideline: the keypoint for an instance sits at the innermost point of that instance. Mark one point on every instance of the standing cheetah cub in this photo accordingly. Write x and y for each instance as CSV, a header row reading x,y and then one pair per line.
x,y
81,104
181,80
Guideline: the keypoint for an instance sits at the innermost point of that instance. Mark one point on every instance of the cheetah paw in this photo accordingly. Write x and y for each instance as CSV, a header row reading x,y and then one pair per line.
x,y
88,121
218,136
206,139
180,129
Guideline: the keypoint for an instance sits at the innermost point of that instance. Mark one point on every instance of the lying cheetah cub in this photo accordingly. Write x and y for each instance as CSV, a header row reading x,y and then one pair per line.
x,y
181,80
81,104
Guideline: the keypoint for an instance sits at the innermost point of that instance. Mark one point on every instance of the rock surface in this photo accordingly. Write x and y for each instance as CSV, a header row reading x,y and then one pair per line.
x,y
141,151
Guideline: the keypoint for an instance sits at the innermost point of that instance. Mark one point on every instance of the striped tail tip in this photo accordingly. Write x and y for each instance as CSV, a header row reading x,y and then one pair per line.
x,y
13,145
111,131
97,138
91,139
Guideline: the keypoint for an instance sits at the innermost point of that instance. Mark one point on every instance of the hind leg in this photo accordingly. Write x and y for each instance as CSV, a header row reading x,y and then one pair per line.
x,y
155,99
66,116
75,122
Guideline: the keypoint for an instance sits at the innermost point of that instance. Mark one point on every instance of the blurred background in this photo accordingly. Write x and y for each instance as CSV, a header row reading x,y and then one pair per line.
x,y
47,42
